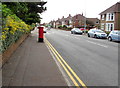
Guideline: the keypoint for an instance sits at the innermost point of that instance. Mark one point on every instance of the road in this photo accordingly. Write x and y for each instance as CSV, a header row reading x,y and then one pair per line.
x,y
95,61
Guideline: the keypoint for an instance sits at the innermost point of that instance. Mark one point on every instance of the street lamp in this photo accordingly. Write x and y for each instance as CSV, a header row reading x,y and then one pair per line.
x,y
85,24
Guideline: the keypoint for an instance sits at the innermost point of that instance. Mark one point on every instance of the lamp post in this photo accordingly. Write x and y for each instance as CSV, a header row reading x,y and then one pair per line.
x,y
85,24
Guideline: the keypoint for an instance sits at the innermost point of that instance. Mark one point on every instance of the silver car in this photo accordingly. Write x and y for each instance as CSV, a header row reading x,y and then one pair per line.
x,y
97,33
76,31
114,36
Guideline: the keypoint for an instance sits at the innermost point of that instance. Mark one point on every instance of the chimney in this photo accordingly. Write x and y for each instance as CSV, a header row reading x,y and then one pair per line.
x,y
82,13
69,15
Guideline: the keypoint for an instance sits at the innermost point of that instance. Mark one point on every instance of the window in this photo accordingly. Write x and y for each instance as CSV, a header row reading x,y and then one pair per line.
x,y
116,32
103,16
97,22
70,21
110,17
109,26
93,30
102,26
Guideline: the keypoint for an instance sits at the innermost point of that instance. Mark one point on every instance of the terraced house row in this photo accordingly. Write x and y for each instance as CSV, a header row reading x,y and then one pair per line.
x,y
109,20
75,21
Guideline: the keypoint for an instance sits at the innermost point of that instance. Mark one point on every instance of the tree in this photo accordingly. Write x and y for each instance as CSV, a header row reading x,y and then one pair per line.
x,y
27,11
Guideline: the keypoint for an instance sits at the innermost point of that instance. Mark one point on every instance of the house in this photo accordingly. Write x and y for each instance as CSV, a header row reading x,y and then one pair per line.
x,y
69,21
75,21
53,24
63,21
93,22
78,20
110,18
58,23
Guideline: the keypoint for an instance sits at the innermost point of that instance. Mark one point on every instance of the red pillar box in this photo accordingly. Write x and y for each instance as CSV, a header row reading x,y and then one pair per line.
x,y
40,35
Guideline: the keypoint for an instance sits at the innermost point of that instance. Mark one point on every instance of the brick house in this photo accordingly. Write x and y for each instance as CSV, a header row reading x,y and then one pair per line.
x,y
91,22
110,18
74,21
78,20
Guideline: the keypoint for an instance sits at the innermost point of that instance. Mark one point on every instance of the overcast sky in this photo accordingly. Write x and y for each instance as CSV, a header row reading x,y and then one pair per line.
x,y
90,8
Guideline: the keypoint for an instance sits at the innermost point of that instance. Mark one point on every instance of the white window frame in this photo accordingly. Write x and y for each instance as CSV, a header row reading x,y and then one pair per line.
x,y
70,21
102,26
110,16
109,26
63,23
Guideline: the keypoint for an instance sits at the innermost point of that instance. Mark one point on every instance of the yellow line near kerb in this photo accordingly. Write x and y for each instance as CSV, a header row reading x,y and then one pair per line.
x,y
62,62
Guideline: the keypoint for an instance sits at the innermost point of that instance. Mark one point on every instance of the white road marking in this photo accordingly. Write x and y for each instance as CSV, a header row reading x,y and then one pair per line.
x,y
78,37
97,44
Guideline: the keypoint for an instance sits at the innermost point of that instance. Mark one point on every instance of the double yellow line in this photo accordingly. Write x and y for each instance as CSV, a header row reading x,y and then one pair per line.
x,y
65,66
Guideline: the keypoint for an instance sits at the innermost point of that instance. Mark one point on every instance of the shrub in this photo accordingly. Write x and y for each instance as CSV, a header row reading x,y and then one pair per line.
x,y
69,28
64,26
60,26
12,28
107,32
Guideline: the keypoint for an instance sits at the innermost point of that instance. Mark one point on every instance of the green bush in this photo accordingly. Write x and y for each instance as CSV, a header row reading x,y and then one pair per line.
x,y
69,28
107,32
12,28
60,27
64,26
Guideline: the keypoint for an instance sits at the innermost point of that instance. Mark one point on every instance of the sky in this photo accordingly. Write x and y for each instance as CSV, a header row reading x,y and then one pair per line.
x,y
90,8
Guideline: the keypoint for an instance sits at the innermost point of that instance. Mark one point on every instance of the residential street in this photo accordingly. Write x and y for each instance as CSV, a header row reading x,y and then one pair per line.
x,y
95,61
63,43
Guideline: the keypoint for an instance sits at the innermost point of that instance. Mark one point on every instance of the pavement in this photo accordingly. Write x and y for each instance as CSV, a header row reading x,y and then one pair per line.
x,y
32,65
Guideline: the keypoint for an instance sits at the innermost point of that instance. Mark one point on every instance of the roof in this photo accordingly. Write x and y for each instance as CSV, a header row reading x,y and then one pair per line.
x,y
63,19
78,17
114,8
93,19
69,17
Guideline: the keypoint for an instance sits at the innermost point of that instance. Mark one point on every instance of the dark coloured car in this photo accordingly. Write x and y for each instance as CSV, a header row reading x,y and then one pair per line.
x,y
76,31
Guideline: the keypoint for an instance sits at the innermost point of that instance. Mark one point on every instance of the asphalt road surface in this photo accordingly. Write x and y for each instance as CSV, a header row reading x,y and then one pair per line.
x,y
95,61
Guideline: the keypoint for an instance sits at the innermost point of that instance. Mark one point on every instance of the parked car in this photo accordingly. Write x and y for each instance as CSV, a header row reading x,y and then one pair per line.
x,y
114,36
83,30
76,31
97,33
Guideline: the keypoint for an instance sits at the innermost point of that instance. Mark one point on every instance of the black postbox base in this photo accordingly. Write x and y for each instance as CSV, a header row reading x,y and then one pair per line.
x,y
40,40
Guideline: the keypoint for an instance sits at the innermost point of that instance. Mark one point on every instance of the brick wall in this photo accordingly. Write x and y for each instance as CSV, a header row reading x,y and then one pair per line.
x,y
117,21
6,55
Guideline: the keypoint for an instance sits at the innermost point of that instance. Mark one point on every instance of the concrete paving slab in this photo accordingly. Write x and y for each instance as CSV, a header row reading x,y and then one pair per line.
x,y
32,65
